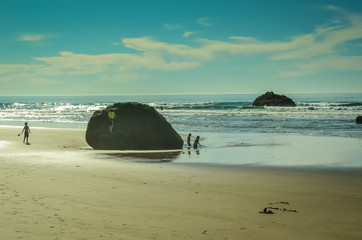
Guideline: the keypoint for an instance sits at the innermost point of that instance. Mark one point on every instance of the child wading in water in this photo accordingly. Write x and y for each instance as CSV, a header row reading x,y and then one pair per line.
x,y
197,142
26,131
189,140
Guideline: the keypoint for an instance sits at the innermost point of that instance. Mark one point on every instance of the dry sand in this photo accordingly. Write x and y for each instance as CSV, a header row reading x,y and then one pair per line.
x,y
55,189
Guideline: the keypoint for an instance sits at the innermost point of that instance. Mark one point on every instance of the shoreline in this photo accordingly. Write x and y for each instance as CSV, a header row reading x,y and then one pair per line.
x,y
52,189
257,150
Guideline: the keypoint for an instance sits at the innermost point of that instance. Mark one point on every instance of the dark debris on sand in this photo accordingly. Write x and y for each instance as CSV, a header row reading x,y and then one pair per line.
x,y
269,209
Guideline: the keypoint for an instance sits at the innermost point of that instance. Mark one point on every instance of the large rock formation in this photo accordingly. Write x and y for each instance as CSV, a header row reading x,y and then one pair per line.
x,y
272,99
136,127
359,120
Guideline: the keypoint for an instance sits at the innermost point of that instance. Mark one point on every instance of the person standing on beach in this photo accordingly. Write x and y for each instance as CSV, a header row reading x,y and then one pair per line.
x,y
189,140
26,131
197,142
111,116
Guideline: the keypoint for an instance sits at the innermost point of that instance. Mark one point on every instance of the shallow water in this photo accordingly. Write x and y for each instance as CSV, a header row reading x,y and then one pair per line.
x,y
278,150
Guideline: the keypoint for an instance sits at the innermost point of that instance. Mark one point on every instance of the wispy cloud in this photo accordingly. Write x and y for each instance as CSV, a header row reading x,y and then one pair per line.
x,y
323,49
168,50
204,21
173,26
330,7
339,63
32,37
187,34
244,39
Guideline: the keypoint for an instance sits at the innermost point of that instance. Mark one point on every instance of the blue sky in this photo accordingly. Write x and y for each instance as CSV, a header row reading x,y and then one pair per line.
x,y
179,47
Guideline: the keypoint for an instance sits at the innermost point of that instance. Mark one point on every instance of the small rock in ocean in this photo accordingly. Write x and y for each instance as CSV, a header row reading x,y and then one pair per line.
x,y
359,120
272,99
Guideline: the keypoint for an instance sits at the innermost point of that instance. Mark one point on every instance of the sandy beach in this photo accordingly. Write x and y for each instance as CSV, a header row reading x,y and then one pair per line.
x,y
57,188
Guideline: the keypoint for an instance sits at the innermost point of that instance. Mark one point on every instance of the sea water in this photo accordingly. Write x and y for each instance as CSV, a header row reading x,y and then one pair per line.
x,y
315,114
228,124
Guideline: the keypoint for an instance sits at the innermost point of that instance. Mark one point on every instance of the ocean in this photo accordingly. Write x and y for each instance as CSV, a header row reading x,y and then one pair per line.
x,y
317,132
315,114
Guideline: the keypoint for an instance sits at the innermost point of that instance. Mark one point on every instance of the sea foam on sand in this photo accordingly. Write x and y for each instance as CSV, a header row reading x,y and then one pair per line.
x,y
54,189
3,144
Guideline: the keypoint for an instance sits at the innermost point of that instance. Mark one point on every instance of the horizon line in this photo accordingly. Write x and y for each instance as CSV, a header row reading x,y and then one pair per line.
x,y
175,94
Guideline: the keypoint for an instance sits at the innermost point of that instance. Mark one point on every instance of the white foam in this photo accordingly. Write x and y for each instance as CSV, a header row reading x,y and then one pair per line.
x,y
9,126
4,144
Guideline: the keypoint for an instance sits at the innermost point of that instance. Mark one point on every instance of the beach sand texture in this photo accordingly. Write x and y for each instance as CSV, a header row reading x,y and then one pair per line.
x,y
57,189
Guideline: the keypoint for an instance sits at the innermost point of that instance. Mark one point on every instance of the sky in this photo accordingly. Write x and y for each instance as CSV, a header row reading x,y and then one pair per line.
x,y
78,47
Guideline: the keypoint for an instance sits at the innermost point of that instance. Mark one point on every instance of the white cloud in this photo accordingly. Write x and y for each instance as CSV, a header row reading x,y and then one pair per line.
x,y
324,41
244,39
151,58
168,50
320,50
10,68
187,34
204,21
212,47
31,37
339,63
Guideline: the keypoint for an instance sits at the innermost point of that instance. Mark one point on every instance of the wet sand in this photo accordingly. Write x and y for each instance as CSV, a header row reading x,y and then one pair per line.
x,y
56,188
